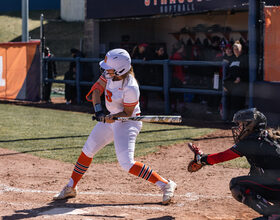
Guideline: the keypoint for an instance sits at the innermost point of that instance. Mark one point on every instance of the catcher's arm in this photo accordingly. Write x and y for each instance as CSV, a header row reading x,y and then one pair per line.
x,y
200,159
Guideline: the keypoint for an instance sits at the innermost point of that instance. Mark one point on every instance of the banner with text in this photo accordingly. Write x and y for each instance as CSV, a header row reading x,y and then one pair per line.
x,y
20,71
128,8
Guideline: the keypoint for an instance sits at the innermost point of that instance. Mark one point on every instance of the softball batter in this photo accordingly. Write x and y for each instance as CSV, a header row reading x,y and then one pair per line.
x,y
122,100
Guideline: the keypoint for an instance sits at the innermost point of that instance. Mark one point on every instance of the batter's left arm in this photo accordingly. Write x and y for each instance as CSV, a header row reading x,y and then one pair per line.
x,y
97,90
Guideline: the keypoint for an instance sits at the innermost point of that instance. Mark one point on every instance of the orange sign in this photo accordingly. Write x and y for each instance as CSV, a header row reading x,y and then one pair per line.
x,y
17,70
271,44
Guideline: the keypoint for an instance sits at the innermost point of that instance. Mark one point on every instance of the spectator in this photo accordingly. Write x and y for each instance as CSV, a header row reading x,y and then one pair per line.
x,y
157,74
214,52
196,73
70,90
236,80
228,55
141,52
51,74
178,76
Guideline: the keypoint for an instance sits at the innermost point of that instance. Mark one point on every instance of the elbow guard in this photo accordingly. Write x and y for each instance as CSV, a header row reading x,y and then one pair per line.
x,y
94,87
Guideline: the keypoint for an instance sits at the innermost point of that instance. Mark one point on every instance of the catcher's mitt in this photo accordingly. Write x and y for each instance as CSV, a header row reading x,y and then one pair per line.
x,y
195,164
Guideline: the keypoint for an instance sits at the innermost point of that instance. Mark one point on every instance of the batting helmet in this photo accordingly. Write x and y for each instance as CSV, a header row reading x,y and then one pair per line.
x,y
248,120
118,60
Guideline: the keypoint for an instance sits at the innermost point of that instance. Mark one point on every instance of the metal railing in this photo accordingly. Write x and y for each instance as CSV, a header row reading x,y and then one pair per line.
x,y
166,88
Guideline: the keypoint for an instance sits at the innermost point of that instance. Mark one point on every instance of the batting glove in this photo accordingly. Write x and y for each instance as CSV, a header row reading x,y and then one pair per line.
x,y
99,115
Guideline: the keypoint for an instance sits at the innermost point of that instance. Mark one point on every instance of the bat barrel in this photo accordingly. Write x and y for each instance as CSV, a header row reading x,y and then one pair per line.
x,y
154,118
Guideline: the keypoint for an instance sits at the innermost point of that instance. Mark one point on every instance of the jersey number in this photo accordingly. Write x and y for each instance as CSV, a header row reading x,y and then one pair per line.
x,y
2,81
109,95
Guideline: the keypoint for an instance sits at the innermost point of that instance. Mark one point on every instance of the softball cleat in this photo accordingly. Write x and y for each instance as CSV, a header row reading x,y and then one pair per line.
x,y
66,192
168,192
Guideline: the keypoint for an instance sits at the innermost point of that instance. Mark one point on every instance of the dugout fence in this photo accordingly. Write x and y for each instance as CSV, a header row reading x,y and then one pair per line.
x,y
166,88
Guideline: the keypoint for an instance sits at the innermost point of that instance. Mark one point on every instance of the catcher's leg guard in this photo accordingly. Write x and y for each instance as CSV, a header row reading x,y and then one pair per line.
x,y
251,199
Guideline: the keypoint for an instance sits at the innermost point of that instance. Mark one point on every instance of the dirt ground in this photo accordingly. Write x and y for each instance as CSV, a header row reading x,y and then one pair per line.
x,y
28,184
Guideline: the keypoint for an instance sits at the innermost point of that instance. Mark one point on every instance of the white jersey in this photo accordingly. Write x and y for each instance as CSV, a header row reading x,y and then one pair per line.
x,y
122,93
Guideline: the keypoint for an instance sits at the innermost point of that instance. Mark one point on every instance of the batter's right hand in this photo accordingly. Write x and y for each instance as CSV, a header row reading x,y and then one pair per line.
x,y
109,119
100,116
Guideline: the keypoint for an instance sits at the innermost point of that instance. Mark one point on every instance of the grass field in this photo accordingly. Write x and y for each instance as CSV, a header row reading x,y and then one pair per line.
x,y
60,135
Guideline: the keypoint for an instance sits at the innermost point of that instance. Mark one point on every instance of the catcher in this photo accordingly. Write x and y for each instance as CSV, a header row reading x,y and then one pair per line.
x,y
260,189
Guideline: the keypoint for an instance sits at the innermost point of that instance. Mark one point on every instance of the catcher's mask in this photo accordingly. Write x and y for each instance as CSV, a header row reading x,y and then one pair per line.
x,y
247,121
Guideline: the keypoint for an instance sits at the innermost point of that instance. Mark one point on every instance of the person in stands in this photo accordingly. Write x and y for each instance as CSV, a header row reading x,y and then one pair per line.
x,y
51,74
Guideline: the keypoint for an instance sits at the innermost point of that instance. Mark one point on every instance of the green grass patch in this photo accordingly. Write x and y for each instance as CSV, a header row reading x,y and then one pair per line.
x,y
60,135
240,162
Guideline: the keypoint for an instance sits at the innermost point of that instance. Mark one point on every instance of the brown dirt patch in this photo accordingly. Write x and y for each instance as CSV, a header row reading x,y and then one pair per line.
x,y
106,192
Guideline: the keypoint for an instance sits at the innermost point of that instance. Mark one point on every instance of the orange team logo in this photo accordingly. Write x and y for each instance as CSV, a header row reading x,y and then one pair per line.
x,y
109,95
105,60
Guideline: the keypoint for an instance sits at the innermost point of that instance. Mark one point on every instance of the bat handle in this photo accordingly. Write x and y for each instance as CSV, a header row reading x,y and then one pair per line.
x,y
94,118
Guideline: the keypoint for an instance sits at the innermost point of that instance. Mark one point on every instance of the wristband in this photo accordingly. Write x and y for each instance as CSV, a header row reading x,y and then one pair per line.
x,y
98,107
203,159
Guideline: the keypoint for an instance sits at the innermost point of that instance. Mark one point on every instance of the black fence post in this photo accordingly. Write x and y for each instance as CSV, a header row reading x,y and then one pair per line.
x,y
224,109
252,37
166,86
45,70
78,71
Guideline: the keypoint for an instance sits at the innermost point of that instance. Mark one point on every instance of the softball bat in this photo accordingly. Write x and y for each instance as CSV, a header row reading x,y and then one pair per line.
x,y
153,118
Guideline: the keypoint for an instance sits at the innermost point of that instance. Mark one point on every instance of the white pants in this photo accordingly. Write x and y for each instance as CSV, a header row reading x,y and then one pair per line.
x,y
122,133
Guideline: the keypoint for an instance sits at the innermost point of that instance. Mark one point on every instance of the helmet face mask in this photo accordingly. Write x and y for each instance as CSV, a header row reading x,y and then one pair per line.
x,y
239,132
106,74
248,121
236,130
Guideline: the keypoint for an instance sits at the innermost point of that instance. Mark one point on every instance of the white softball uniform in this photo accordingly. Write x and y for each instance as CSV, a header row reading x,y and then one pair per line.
x,y
117,94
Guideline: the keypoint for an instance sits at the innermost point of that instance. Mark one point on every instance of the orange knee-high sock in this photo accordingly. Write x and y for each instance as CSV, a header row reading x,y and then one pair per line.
x,y
141,170
81,167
